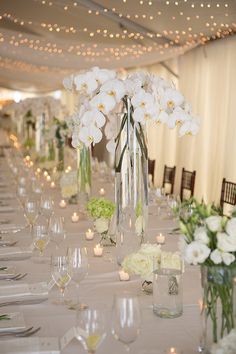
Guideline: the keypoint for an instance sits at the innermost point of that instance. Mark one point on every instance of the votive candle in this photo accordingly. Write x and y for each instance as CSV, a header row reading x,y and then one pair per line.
x,y
62,203
75,217
123,275
89,234
98,251
160,239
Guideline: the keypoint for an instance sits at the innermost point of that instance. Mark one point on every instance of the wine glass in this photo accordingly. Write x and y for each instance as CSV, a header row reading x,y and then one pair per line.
x,y
40,234
46,205
126,319
31,211
78,262
60,272
56,229
90,330
22,194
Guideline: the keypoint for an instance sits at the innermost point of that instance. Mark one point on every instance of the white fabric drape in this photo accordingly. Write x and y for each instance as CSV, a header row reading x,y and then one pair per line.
x,y
207,77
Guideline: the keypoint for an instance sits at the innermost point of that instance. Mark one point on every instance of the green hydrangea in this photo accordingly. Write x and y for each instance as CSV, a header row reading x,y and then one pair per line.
x,y
100,208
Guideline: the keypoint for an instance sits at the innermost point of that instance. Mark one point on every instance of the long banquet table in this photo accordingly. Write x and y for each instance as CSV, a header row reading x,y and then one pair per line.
x,y
98,288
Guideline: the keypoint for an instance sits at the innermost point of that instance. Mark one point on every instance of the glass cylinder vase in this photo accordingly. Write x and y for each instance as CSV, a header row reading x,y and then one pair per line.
x,y
131,183
83,176
218,304
60,155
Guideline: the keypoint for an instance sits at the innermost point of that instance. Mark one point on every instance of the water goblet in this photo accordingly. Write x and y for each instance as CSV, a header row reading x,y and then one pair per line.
x,y
60,273
40,235
56,229
90,329
46,205
31,211
126,319
78,262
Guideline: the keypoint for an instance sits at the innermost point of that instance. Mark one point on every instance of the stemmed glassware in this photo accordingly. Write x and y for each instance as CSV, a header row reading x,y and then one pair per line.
x,y
126,319
22,194
40,234
90,329
78,262
60,272
46,205
56,229
31,210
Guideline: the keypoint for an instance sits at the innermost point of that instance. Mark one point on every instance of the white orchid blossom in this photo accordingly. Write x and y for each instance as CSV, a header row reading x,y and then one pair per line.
x,y
142,100
114,88
103,102
189,127
93,117
85,83
171,99
102,75
90,135
111,146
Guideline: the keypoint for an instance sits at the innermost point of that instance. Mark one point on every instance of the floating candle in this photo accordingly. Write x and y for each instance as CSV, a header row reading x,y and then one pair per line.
x,y
62,203
160,239
123,275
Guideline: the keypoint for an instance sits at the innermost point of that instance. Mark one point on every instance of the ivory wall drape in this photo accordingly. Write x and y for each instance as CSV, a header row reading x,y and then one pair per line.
x,y
207,78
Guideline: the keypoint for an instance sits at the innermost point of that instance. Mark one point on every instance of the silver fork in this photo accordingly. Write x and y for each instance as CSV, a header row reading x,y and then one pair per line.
x,y
18,276
23,333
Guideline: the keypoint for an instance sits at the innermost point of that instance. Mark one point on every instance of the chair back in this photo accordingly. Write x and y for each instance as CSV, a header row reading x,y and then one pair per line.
x,y
151,168
169,178
187,183
228,193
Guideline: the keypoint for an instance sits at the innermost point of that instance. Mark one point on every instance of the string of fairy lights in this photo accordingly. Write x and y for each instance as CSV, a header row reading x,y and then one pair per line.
x,y
179,39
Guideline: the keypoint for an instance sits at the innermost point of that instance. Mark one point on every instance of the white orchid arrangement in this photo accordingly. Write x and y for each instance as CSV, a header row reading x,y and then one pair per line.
x,y
102,95
142,262
210,238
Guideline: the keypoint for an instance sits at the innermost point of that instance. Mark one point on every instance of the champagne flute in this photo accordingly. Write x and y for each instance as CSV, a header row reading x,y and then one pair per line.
x,y
56,229
40,234
31,212
78,262
46,205
126,319
90,330
60,272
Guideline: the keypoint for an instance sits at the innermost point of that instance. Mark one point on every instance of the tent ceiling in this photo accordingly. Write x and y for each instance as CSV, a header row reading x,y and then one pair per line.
x,y
41,41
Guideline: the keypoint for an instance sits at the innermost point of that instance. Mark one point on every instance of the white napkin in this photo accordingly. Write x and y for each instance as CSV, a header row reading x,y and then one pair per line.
x,y
31,345
23,292
11,227
15,253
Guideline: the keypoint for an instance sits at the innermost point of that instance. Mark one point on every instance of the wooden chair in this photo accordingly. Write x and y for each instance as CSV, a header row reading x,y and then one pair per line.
x,y
151,168
228,193
169,178
187,183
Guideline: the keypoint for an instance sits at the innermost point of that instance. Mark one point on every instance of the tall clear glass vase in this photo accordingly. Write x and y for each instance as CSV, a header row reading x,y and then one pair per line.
x,y
83,176
218,308
60,155
131,184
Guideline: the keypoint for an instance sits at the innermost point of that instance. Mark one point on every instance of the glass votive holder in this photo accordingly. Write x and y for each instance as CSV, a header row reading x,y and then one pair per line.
x,y
167,293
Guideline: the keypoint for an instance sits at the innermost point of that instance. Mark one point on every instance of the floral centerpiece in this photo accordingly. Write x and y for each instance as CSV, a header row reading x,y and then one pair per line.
x,y
210,241
61,131
124,107
102,210
142,262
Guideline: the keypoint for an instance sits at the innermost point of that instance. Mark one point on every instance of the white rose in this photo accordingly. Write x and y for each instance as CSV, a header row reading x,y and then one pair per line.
x,y
139,264
200,235
231,227
214,223
149,249
216,256
101,225
226,243
171,260
228,258
196,253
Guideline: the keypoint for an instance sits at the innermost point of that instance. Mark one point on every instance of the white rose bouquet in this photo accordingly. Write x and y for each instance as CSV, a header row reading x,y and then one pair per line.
x,y
210,241
101,210
226,345
142,262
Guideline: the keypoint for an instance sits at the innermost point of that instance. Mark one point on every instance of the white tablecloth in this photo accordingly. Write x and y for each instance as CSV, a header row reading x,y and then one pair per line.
x,y
101,284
